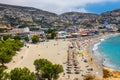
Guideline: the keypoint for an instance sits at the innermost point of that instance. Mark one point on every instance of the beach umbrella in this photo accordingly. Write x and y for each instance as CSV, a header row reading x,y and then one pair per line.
x,y
69,72
76,66
77,72
80,52
69,64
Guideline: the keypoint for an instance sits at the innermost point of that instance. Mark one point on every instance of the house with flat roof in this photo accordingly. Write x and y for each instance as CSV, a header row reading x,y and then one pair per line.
x,y
111,27
19,31
61,34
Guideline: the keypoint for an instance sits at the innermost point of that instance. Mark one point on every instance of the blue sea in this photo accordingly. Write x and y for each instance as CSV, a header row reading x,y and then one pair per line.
x,y
109,51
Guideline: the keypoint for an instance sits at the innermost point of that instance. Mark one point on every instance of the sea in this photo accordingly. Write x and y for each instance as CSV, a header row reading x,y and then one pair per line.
x,y
107,51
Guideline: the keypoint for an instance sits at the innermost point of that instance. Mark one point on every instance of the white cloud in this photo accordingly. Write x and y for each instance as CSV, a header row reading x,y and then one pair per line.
x,y
57,6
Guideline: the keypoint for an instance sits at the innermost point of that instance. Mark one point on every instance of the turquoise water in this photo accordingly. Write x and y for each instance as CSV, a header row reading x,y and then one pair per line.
x,y
110,50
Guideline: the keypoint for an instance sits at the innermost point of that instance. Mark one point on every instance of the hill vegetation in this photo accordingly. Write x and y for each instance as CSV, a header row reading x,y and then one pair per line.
x,y
17,16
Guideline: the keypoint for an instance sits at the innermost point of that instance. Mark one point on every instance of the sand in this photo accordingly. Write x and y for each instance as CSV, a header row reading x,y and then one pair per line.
x,y
56,52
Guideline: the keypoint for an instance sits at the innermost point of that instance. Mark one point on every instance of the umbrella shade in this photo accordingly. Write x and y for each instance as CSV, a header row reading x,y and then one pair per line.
x,y
69,66
76,66
69,72
77,72
68,69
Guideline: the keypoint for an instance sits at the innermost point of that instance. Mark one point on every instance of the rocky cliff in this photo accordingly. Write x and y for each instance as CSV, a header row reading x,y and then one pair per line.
x,y
110,74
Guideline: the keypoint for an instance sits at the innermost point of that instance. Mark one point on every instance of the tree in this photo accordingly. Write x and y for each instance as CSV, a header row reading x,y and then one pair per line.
x,y
49,36
35,38
0,38
51,33
118,28
21,74
26,38
5,55
56,70
14,44
4,58
1,73
17,37
40,63
6,36
7,50
47,69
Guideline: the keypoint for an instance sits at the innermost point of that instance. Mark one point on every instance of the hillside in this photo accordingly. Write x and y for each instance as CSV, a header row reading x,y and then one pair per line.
x,y
17,16
112,16
77,18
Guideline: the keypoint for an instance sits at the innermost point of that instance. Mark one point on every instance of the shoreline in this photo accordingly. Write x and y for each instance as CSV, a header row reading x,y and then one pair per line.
x,y
56,52
97,60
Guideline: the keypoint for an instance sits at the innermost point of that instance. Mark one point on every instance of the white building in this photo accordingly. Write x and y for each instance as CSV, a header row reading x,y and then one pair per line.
x,y
61,34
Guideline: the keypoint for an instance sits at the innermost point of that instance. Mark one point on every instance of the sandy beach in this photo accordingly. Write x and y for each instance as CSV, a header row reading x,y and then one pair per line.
x,y
57,52
97,61
50,50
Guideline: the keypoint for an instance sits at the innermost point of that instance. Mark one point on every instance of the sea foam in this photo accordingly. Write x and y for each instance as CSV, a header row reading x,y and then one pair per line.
x,y
109,49
95,47
108,63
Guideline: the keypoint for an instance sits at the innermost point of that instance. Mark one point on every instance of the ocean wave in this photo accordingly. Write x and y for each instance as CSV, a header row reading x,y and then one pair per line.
x,y
105,60
102,39
96,46
108,63
101,56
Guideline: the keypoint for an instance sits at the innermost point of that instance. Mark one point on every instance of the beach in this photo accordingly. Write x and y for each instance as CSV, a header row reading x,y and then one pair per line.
x,y
49,50
56,51
98,58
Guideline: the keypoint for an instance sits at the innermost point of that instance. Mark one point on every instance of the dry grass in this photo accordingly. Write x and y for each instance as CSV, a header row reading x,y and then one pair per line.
x,y
90,77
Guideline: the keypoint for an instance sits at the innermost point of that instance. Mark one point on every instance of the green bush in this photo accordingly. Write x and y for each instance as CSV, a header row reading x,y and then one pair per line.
x,y
6,37
35,38
17,37
7,50
47,69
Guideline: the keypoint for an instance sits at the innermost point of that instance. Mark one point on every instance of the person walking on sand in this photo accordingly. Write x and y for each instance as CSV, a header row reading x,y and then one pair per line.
x,y
63,74
68,76
91,59
21,57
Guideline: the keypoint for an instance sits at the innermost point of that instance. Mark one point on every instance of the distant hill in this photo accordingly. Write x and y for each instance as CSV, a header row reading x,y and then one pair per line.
x,y
76,18
112,16
17,16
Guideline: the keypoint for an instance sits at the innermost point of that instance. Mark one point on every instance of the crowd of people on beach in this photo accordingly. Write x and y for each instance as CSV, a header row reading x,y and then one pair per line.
x,y
75,61
77,65
84,63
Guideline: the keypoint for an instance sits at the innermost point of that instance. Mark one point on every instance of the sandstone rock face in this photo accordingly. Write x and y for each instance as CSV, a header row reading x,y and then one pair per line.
x,y
110,74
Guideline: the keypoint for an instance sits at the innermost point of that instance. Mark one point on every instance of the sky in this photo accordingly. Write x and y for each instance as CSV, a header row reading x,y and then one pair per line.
x,y
62,6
